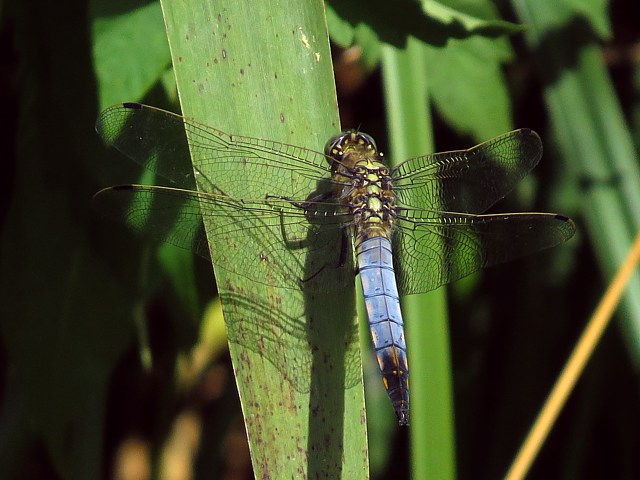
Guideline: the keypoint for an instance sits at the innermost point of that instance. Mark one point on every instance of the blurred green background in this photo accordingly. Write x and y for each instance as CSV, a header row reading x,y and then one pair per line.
x,y
113,352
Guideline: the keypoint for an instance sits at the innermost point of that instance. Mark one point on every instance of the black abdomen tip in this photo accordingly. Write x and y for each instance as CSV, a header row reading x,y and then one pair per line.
x,y
403,417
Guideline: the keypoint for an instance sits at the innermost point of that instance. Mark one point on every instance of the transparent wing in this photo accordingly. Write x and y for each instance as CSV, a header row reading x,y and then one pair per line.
x,y
468,181
241,167
282,245
435,248
279,240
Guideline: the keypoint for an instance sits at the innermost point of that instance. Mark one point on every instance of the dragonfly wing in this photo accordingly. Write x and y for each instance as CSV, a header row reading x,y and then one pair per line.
x,y
436,248
237,166
153,138
468,181
272,241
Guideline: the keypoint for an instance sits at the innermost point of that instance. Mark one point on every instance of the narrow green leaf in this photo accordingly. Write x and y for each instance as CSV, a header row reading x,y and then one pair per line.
x,y
432,427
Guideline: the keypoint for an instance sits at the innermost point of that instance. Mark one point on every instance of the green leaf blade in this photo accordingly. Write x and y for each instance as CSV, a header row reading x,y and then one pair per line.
x,y
273,79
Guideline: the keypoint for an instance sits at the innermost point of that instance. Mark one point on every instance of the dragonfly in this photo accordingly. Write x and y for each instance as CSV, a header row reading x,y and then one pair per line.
x,y
408,229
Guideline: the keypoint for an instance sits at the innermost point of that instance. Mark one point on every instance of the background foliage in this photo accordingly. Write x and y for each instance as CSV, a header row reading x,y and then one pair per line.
x,y
113,353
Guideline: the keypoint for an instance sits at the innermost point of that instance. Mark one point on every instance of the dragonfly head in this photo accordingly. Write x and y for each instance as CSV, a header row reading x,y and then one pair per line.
x,y
349,141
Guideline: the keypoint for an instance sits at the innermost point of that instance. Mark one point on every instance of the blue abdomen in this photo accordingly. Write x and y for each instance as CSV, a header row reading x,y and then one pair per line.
x,y
375,263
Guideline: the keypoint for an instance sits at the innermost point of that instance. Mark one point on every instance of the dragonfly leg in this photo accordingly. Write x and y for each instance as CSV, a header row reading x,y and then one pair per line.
x,y
345,249
295,243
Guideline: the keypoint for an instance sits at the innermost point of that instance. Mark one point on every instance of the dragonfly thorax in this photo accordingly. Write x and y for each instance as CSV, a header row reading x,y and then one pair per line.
x,y
374,214
363,184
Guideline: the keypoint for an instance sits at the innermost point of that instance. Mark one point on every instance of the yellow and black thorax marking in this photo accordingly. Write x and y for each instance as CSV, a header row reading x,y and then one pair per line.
x,y
363,183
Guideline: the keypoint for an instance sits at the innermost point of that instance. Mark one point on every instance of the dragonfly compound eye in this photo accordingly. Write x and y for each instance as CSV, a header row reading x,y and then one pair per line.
x,y
333,149
347,139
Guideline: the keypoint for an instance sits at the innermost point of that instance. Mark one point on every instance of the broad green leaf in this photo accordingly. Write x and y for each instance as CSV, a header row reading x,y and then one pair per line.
x,y
468,86
273,79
